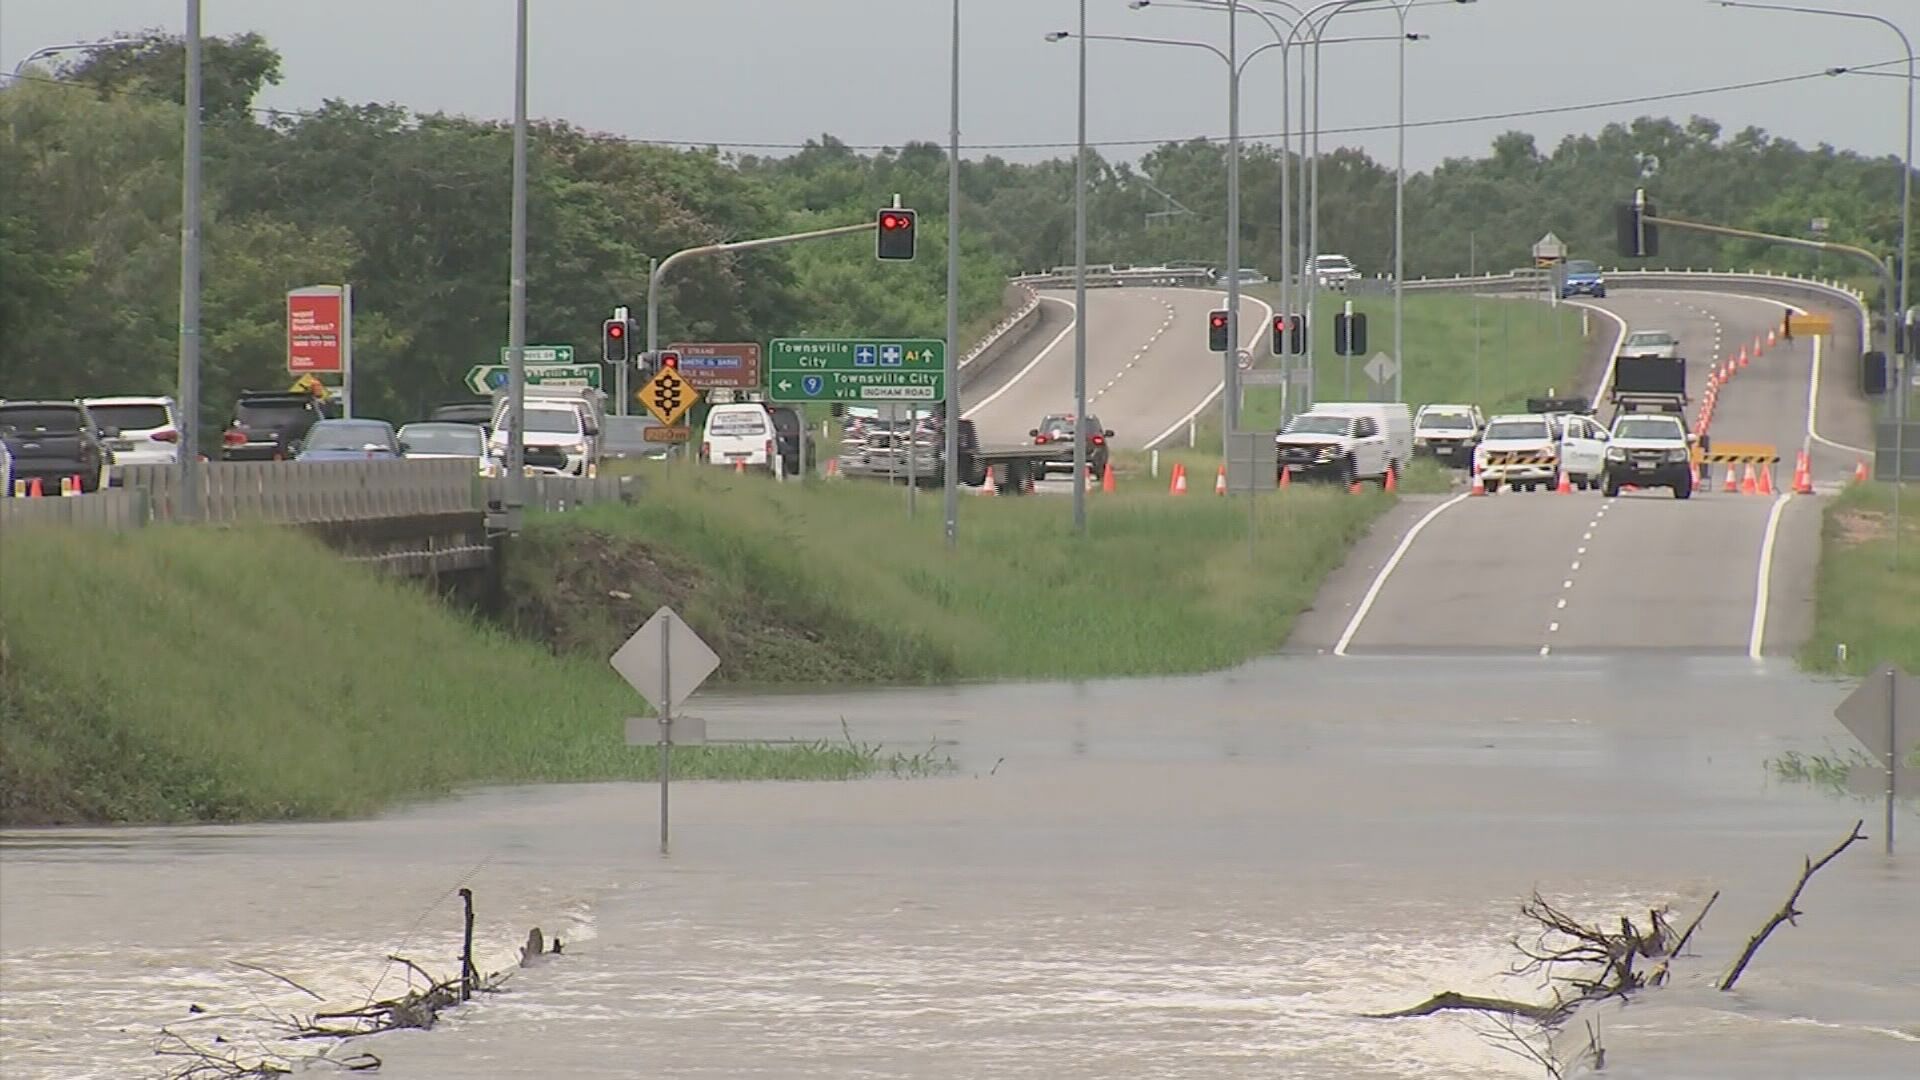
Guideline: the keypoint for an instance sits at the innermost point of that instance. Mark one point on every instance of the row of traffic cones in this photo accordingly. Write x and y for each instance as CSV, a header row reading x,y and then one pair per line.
x,y
1177,485
34,489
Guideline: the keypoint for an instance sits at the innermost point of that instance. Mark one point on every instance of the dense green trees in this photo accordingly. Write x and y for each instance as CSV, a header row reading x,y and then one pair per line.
x,y
413,209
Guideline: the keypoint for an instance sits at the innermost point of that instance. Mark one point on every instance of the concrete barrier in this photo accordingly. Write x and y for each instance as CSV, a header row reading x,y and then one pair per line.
x,y
558,494
115,510
1003,339
313,491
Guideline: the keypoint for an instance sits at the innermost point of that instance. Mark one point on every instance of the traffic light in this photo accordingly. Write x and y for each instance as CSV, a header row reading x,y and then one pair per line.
x,y
896,233
1289,335
1350,334
613,340
669,359
1633,236
1873,373
1217,331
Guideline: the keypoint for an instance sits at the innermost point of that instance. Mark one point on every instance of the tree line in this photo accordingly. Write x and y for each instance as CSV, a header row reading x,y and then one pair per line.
x,y
413,209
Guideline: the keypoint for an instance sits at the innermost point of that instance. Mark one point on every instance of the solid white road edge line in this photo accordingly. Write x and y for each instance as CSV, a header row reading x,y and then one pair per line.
x,y
1033,363
1214,395
1813,382
1764,576
1613,357
1380,579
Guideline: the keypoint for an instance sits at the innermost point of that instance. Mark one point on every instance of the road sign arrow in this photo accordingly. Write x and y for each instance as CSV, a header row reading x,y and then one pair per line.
x,y
785,386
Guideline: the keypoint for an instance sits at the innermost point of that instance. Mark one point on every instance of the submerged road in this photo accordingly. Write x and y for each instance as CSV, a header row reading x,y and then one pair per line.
x,y
1552,574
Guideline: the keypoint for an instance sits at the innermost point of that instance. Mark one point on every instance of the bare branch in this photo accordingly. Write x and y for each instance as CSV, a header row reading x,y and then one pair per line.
x,y
1448,1000
1787,912
277,975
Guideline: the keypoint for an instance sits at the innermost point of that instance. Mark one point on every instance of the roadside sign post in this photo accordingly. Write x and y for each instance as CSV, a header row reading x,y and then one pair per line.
x,y
1381,369
668,397
1250,471
666,661
484,379
320,335
1884,714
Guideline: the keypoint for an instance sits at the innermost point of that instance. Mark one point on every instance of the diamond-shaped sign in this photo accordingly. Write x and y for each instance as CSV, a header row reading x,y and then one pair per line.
x,y
665,660
1381,368
668,396
1884,713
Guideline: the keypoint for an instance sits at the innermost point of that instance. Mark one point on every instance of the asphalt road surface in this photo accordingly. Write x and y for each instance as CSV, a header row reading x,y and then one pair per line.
x,y
1148,367
1548,574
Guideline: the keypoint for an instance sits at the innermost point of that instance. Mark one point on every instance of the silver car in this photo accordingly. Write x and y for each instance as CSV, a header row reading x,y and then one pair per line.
x,y
1659,343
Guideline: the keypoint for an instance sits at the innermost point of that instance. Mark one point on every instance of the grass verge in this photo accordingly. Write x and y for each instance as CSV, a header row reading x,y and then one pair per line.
x,y
1865,600
831,582
209,674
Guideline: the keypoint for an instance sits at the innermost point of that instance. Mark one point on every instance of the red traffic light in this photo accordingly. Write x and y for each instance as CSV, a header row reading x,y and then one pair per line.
x,y
1219,320
892,221
669,359
615,330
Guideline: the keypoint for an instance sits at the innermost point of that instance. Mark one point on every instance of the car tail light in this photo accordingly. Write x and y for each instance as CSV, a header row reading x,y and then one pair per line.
x,y
1039,440
234,437
169,435
1099,440
706,450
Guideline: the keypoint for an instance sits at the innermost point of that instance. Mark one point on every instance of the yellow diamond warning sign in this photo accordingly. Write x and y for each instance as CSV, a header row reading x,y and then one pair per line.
x,y
667,396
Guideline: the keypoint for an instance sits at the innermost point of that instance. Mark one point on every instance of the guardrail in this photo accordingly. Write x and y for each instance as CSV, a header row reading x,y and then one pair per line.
x,y
303,492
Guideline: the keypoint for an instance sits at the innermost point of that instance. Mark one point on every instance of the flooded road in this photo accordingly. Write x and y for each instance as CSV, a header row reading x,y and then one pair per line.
x,y
1205,877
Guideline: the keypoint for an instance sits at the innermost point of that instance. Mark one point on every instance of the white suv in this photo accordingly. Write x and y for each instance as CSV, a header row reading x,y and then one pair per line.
x,y
1333,271
138,430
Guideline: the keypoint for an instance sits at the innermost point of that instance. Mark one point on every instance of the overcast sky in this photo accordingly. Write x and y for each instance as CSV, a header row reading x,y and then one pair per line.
x,y
875,71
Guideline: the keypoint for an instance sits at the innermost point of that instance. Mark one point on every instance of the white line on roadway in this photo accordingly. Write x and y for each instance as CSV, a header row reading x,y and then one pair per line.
x,y
1380,579
1613,357
1031,364
1215,393
1763,577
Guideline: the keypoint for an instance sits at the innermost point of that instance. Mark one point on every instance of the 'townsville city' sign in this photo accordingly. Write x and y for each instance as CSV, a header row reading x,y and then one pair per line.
x,y
856,369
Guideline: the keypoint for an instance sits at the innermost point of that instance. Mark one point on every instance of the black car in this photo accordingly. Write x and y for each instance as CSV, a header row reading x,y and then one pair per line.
x,y
1057,430
478,412
49,441
269,425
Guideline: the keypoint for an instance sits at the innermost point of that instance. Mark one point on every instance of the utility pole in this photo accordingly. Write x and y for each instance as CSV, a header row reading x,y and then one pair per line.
x,y
187,501
950,471
517,286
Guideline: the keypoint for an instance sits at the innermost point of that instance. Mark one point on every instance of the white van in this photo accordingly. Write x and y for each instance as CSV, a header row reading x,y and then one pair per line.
x,y
740,434
1394,419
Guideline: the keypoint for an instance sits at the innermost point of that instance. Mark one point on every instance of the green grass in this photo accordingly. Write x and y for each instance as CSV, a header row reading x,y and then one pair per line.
x,y
212,674
1864,600
830,581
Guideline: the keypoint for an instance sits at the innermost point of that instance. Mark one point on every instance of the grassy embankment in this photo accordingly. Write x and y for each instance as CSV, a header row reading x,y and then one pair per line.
x,y
829,582
1524,349
1866,601
214,674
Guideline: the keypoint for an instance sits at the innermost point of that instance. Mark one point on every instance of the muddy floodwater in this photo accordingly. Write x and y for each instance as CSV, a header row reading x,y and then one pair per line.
x,y
1206,877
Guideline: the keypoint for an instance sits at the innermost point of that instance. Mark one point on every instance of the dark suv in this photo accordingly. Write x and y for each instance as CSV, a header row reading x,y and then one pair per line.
x,y
269,425
786,426
49,441
1057,430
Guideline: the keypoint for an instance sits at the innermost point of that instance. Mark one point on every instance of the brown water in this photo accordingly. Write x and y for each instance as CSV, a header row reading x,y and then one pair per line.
x,y
1202,877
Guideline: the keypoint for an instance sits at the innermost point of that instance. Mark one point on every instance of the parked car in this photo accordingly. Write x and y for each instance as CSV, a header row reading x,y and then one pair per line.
x,y
350,440
787,422
1057,430
49,441
1346,442
739,434
270,425
1448,433
146,430
624,439
430,440
477,411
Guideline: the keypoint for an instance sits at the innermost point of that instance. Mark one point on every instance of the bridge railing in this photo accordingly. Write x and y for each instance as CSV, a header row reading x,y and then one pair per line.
x,y
301,492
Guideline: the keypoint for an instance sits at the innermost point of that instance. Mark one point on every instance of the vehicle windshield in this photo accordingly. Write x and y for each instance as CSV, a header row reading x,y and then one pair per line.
x,y
1517,429
461,439
1649,427
31,420
738,423
270,414
1318,425
1057,425
1332,262
347,436
1651,337
1582,266
553,421
131,417
1457,421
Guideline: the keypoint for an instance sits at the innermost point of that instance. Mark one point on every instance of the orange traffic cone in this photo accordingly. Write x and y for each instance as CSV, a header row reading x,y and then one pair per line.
x,y
1766,479
1756,345
1772,336
1803,475
1106,479
72,485
37,489
1220,481
1565,486
739,466
1286,477
1860,471
1179,480
1743,358
833,467
1479,485
1353,488
1747,484
1393,480
989,488
1732,486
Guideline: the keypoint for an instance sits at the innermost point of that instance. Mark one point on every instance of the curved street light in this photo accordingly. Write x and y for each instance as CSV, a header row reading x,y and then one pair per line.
x,y
70,46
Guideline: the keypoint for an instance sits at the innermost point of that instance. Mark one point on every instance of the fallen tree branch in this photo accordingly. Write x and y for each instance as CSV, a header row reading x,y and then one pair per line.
x,y
1451,1000
1788,913
277,975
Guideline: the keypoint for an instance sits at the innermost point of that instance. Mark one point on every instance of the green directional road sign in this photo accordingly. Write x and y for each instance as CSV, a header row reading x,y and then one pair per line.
x,y
856,369
541,354
486,378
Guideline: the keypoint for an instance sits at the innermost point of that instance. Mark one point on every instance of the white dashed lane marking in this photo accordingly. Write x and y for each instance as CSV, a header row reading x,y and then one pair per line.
x,y
1164,324
1553,627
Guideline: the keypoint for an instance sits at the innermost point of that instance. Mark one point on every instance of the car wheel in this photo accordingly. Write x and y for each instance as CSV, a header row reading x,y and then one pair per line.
x,y
1612,489
1491,485
1683,490
1347,472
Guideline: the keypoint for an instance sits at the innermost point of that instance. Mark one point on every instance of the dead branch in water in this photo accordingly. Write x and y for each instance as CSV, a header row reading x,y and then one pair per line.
x,y
207,1063
1788,913
1449,1000
277,975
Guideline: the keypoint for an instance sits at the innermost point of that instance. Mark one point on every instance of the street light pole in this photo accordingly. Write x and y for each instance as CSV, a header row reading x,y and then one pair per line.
x,y
1080,294
1906,177
517,281
20,68
950,468
187,503
1230,380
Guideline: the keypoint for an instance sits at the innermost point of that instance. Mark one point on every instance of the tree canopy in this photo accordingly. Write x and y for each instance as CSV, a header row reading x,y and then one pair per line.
x,y
413,209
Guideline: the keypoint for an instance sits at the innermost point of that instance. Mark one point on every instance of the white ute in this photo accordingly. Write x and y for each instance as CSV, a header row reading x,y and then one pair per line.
x,y
1574,443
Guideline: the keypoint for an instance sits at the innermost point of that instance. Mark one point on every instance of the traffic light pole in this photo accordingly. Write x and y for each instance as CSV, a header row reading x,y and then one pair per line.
x,y
517,284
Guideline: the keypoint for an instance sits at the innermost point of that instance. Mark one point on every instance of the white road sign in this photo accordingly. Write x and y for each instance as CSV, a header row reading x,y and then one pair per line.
x,y
665,660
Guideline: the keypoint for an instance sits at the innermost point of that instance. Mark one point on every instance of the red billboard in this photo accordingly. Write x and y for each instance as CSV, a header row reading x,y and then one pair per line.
x,y
313,330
